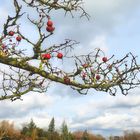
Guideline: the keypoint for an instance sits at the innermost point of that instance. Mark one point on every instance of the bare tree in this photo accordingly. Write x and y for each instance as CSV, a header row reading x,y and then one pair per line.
x,y
91,71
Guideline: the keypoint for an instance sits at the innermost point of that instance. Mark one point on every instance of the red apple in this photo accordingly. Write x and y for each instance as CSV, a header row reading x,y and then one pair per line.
x,y
98,77
60,55
50,29
104,59
11,33
85,65
18,38
46,56
3,46
109,67
84,75
50,23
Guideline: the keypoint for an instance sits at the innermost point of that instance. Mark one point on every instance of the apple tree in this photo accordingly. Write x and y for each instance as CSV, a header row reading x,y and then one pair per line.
x,y
35,72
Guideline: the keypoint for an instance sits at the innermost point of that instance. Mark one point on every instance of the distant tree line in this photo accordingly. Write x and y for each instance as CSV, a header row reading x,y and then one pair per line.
x,y
30,131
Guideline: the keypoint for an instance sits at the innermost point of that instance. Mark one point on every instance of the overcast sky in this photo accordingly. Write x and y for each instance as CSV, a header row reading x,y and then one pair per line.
x,y
114,27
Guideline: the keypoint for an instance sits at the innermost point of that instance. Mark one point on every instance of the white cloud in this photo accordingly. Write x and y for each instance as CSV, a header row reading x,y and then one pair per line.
x,y
107,112
99,42
108,121
3,14
31,102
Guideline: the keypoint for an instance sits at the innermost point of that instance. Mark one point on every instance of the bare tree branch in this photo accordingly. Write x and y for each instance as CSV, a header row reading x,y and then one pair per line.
x,y
34,73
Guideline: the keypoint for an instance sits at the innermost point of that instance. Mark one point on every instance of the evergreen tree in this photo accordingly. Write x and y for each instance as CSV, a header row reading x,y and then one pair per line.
x,y
65,135
65,132
29,128
41,132
71,136
85,135
51,130
31,125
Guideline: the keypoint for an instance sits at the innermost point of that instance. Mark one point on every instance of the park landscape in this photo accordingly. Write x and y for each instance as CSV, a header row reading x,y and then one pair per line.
x,y
69,72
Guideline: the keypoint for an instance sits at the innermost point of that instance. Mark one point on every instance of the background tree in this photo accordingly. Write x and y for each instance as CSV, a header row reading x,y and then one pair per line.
x,y
78,135
51,127
131,135
65,134
92,71
42,134
71,136
30,130
85,135
8,131
51,133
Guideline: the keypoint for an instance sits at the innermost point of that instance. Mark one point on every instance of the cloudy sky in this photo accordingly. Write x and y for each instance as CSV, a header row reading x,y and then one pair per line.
x,y
114,27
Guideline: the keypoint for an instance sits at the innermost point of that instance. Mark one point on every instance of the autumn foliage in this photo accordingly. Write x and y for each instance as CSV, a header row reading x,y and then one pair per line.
x,y
7,130
30,131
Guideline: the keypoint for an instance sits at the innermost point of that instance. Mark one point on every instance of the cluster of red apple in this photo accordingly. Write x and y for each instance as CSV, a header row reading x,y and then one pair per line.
x,y
98,77
84,74
48,56
11,33
4,47
50,27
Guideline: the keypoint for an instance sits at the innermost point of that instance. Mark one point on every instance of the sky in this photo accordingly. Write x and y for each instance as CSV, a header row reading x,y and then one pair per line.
x,y
114,27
